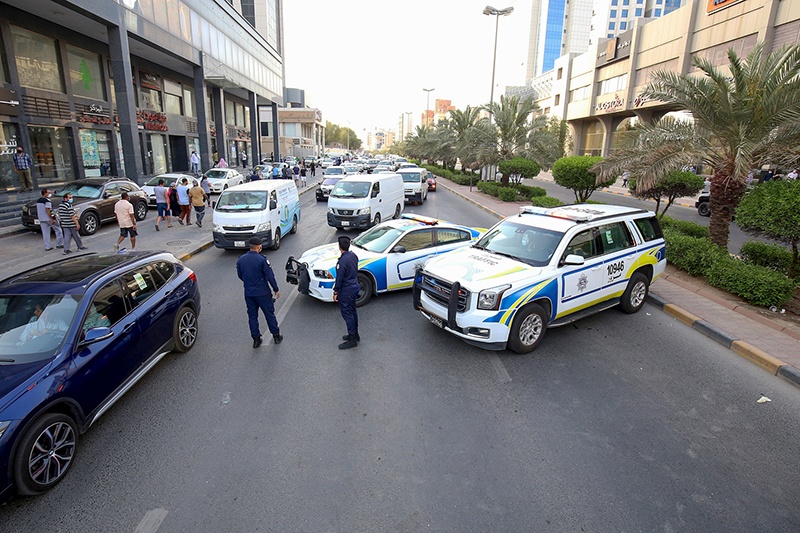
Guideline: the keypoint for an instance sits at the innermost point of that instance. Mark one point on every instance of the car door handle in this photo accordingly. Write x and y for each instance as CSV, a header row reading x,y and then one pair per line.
x,y
128,327
168,293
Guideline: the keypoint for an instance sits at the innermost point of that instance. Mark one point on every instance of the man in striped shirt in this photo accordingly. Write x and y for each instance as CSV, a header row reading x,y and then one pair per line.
x,y
23,165
69,223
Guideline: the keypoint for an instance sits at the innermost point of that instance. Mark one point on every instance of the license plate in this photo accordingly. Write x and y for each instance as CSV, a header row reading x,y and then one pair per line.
x,y
436,321
238,244
345,224
35,220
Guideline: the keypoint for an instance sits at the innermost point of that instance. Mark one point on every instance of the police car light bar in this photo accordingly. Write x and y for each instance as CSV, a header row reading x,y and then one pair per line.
x,y
428,221
558,212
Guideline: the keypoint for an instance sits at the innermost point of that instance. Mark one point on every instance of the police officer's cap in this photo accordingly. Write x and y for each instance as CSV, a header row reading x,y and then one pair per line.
x,y
255,241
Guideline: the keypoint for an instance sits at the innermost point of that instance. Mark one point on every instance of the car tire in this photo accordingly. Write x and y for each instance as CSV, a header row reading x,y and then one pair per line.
x,y
528,329
89,223
635,293
276,244
294,225
185,329
703,209
45,453
365,289
397,210
140,211
377,219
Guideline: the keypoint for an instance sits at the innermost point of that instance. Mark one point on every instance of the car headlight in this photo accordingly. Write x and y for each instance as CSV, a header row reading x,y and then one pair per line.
x,y
330,210
217,228
363,211
324,274
264,227
489,299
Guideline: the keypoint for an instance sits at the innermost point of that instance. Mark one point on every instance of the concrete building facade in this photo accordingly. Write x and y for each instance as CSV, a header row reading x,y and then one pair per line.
x,y
558,27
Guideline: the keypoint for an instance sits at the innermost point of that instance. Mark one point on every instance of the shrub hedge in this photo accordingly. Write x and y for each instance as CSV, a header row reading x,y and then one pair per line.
x,y
692,254
772,256
528,192
546,201
507,194
757,284
692,229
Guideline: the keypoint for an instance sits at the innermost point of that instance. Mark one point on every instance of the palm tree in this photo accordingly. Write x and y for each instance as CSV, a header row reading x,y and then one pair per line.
x,y
742,119
511,122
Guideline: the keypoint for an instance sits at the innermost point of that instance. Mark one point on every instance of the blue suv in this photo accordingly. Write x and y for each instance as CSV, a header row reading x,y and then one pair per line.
x,y
75,335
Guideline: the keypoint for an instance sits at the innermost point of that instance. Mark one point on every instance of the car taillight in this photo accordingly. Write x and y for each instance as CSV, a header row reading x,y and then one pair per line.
x,y
192,275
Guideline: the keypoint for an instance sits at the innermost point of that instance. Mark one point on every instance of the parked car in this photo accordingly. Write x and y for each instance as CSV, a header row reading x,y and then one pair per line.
x,y
220,179
388,255
75,335
169,179
94,200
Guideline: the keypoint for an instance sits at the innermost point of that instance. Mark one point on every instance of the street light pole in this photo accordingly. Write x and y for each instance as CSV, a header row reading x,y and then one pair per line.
x,y
409,113
497,13
428,107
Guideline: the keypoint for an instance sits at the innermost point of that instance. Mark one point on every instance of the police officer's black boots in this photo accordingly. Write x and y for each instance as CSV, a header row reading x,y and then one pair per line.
x,y
351,342
277,338
347,337
257,342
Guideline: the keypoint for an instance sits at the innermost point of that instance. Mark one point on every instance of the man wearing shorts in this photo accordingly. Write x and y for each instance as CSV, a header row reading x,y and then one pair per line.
x,y
162,204
126,220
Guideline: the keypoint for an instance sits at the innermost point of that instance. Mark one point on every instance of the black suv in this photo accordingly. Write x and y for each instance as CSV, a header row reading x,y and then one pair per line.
x,y
94,200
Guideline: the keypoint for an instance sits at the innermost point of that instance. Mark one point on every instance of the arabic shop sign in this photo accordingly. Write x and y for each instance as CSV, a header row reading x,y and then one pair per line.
x,y
611,105
95,114
152,120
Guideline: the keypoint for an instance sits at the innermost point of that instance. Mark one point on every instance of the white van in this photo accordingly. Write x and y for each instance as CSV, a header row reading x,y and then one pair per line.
x,y
415,184
268,209
363,200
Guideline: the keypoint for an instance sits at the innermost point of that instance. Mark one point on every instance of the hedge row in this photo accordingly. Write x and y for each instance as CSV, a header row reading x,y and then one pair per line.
x,y
758,285
692,229
772,256
546,201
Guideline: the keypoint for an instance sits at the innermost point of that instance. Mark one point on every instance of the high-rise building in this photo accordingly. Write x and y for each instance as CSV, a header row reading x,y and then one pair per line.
x,y
612,17
558,27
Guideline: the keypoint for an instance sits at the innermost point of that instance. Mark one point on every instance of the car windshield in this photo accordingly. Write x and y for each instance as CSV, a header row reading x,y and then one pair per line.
x,y
168,180
334,170
351,189
81,190
377,239
331,181
242,201
217,174
33,327
409,177
531,245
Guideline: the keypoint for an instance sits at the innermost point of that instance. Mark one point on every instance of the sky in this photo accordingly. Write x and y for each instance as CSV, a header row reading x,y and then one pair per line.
x,y
364,63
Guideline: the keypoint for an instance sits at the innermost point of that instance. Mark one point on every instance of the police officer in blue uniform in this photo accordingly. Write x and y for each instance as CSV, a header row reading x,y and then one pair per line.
x,y
256,273
345,291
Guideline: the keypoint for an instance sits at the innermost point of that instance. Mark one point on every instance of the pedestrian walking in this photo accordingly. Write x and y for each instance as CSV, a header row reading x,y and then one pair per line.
x,y
162,204
259,281
303,173
183,201
313,169
195,162
345,291
206,188
68,218
276,172
215,158
625,177
198,198
47,220
172,196
23,165
244,159
126,219
296,173
221,163
287,172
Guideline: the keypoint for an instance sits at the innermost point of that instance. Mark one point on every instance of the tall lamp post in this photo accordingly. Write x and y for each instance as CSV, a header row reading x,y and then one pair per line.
x,y
407,122
428,107
489,10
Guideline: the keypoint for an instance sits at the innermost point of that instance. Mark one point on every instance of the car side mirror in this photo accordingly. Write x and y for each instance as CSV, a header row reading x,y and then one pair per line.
x,y
573,260
106,195
273,205
399,249
97,334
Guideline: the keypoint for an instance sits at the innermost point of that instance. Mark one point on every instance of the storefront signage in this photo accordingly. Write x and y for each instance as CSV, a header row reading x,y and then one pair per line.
x,y
610,105
617,48
242,134
152,120
8,147
9,102
640,100
715,5
151,81
95,114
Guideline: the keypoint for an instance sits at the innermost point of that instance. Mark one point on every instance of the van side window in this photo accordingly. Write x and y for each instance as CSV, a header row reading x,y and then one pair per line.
x,y
376,188
649,228
615,237
273,197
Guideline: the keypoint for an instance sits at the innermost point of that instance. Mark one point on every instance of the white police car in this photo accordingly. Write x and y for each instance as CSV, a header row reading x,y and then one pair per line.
x,y
539,269
388,256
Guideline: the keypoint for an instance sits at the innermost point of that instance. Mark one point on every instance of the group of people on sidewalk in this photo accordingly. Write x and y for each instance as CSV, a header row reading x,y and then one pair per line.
x,y
63,222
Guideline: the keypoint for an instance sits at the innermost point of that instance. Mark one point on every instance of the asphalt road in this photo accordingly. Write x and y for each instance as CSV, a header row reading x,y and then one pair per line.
x,y
616,423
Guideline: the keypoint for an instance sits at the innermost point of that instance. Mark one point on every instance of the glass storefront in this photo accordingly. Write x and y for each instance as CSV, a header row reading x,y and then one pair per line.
x,y
37,60
157,153
96,152
593,139
86,78
8,144
51,149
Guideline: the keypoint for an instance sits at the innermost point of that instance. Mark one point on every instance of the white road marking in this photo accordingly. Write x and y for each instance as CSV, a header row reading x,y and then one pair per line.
x,y
151,521
499,368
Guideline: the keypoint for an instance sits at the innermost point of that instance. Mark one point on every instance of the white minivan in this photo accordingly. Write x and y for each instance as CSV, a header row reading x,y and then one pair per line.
x,y
268,209
415,184
363,200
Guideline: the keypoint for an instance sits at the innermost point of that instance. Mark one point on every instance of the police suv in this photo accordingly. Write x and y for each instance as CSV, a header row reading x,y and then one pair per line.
x,y
542,268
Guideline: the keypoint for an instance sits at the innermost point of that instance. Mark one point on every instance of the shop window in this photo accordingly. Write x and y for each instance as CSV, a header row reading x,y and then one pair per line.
x,y
150,99
37,60
173,104
230,112
247,117
51,149
96,152
188,102
240,115
85,75
8,143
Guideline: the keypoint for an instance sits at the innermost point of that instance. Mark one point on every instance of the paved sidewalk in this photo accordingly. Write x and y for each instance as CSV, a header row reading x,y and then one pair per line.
x,y
772,344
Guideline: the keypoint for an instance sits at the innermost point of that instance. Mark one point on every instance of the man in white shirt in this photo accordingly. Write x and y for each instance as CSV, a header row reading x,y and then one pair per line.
x,y
792,175
195,162
126,220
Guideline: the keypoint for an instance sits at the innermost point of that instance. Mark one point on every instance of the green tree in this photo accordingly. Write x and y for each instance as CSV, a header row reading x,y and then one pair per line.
x,y
742,116
772,209
575,172
669,187
521,167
